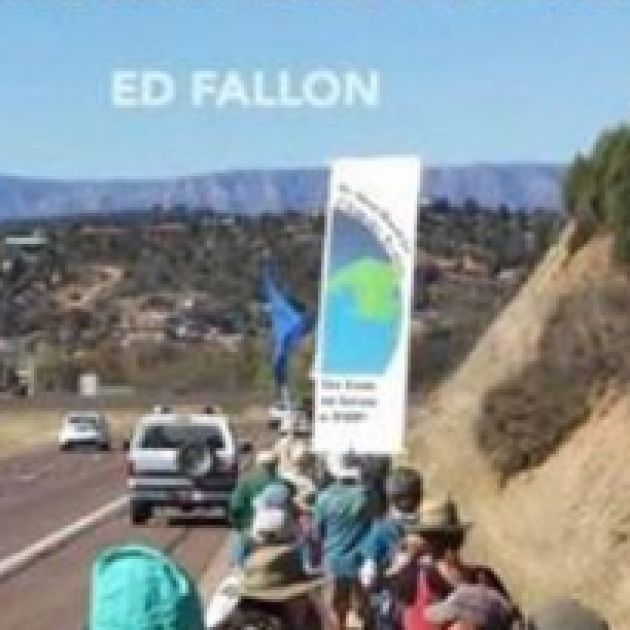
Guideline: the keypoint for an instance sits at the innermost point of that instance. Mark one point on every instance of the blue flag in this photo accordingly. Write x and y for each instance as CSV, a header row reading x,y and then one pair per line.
x,y
289,325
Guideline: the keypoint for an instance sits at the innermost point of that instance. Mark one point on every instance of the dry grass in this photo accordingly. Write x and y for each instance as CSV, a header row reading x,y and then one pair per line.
x,y
21,430
24,428
545,392
25,424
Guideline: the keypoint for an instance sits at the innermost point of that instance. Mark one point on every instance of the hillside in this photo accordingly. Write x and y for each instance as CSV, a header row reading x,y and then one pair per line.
x,y
518,186
531,434
114,297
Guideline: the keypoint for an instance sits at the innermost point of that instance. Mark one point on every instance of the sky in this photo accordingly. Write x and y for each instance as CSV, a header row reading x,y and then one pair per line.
x,y
460,82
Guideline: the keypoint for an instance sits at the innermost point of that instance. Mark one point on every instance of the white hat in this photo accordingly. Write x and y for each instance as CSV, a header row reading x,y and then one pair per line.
x,y
340,467
287,425
272,523
265,458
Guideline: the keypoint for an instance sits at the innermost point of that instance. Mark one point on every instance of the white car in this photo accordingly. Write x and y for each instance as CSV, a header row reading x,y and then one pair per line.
x,y
286,416
183,461
85,428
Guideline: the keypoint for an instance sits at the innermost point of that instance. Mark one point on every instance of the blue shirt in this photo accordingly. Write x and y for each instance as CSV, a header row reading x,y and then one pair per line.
x,y
383,539
343,518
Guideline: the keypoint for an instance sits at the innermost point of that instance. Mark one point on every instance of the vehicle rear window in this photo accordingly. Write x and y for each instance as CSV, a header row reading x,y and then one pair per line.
x,y
84,421
165,436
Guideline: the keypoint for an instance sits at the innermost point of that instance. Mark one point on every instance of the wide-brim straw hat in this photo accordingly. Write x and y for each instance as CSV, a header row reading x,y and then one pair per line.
x,y
276,573
437,516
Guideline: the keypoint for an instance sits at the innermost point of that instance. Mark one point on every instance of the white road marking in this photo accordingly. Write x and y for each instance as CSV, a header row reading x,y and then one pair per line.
x,y
216,571
53,542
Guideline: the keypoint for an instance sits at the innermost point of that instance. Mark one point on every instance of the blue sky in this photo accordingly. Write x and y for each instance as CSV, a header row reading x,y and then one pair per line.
x,y
462,81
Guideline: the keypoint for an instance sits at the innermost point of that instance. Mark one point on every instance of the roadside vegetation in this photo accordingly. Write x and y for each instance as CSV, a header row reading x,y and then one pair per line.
x,y
597,192
584,345
173,300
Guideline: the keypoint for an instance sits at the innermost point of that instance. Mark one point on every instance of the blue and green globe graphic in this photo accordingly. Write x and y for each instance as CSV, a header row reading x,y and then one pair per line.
x,y
362,303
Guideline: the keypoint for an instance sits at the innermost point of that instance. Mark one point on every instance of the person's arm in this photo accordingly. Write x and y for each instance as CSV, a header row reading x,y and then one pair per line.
x,y
369,569
487,577
368,573
403,576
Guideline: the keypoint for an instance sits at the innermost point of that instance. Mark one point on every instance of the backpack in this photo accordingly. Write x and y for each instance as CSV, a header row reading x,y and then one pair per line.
x,y
135,587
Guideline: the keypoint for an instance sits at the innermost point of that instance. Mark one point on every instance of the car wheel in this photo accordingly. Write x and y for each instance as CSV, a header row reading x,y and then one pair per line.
x,y
65,447
140,512
105,447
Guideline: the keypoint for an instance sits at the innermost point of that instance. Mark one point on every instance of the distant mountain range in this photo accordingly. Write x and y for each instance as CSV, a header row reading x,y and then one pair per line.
x,y
518,186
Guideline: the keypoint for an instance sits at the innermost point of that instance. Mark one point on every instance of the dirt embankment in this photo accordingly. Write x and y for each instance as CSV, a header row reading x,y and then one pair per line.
x,y
532,435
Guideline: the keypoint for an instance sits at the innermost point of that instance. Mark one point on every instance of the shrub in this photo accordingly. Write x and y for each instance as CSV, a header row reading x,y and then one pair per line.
x,y
597,192
585,346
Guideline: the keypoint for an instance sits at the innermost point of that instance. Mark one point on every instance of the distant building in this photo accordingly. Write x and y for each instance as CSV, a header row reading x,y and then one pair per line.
x,y
25,246
88,384
34,241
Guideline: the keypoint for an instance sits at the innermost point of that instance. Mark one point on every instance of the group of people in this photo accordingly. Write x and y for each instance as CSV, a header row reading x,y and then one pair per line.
x,y
325,544
351,541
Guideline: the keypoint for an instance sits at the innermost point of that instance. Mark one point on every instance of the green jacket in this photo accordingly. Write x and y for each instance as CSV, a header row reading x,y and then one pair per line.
x,y
241,511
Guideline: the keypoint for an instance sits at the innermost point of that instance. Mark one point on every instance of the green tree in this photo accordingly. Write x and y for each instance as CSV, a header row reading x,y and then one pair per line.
x,y
597,191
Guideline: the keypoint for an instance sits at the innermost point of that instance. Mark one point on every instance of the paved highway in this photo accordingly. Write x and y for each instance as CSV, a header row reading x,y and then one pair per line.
x,y
54,592
43,491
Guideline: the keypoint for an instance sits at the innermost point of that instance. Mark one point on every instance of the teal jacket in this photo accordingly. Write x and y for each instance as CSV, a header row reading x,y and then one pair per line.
x,y
343,518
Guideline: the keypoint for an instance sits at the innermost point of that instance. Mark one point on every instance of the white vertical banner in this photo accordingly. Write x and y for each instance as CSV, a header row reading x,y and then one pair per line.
x,y
365,305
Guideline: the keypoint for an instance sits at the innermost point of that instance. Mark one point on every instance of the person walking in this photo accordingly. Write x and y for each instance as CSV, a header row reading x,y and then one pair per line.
x,y
343,516
276,592
404,491
429,565
241,508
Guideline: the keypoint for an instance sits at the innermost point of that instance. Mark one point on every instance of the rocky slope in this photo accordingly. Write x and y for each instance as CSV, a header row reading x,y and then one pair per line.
x,y
532,435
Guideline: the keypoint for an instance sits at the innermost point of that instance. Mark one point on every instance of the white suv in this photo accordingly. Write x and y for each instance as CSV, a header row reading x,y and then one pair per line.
x,y
86,428
185,461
